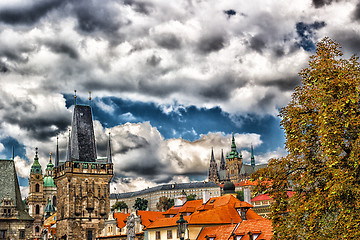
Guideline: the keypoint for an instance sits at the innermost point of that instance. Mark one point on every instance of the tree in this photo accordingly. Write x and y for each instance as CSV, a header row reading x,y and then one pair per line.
x,y
164,203
240,195
190,197
322,127
141,204
119,205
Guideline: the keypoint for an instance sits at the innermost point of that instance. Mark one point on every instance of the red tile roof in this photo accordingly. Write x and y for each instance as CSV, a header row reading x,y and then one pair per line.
x,y
219,232
262,226
266,197
218,210
121,219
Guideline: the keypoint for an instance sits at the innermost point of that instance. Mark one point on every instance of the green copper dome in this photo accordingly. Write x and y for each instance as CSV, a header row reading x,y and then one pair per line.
x,y
234,153
50,165
49,182
36,167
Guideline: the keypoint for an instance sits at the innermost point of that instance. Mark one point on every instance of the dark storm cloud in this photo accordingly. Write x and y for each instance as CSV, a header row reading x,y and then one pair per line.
x,y
356,13
321,3
139,6
3,68
257,43
40,129
63,48
209,44
97,16
230,12
168,41
284,84
29,13
153,60
221,87
306,34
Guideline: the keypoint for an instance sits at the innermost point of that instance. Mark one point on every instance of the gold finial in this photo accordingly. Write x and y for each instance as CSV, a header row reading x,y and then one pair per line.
x,y
75,96
89,98
50,155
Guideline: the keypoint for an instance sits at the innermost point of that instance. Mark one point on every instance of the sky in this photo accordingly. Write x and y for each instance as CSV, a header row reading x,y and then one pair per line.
x,y
170,80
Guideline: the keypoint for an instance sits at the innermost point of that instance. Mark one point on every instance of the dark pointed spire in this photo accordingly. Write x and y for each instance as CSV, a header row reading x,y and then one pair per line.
x,y
68,154
212,159
57,157
109,158
13,152
82,135
222,162
252,157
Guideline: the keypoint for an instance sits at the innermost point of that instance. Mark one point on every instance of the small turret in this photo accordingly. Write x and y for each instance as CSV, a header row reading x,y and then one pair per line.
x,y
234,153
68,153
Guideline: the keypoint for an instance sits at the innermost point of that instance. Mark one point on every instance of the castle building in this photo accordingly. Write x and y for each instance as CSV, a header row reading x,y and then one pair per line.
x,y
41,189
233,168
15,222
82,182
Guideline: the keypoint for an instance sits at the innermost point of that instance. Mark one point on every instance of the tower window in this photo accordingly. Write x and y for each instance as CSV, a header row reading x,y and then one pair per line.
x,y
37,209
37,229
54,201
37,188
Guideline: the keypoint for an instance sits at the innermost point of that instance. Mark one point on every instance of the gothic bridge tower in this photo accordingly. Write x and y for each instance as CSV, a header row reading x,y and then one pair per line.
x,y
82,182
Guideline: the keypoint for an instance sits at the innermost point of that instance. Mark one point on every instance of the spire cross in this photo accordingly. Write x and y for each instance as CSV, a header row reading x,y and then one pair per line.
x,y
89,98
75,96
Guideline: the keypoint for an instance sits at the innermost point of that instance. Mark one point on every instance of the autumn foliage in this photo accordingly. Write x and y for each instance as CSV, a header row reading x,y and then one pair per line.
x,y
322,126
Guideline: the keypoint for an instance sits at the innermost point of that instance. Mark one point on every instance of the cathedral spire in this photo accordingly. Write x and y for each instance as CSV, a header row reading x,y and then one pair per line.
x,y
252,157
212,159
68,154
57,157
222,162
109,158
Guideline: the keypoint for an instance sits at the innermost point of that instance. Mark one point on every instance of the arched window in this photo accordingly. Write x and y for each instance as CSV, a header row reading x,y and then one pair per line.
x,y
37,209
54,201
37,188
37,229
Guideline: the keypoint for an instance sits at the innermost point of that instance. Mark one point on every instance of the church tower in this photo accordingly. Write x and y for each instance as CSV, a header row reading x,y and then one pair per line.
x,y
82,182
49,184
213,171
234,162
36,196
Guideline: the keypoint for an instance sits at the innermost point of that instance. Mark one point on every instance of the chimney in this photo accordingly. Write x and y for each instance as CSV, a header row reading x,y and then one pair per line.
x,y
206,196
180,200
247,195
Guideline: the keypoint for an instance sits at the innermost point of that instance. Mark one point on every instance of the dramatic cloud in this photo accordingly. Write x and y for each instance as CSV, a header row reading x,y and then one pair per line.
x,y
179,72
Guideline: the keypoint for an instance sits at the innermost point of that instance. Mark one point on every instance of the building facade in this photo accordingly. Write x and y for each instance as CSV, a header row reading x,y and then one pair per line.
x,y
82,180
153,194
15,222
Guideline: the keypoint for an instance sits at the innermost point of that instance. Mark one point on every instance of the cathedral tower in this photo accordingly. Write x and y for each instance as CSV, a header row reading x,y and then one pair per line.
x,y
36,196
234,162
82,182
213,171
